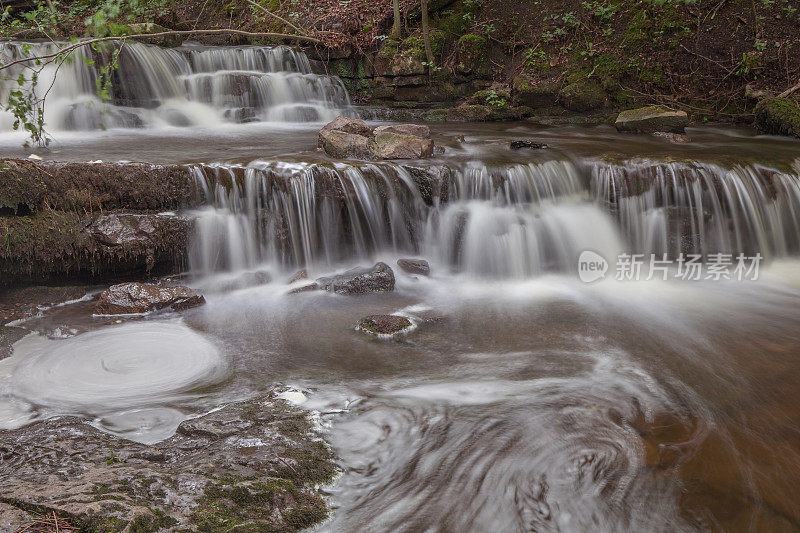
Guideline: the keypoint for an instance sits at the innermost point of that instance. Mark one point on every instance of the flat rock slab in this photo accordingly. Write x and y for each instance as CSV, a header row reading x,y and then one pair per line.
x,y
251,466
652,119
126,298
379,278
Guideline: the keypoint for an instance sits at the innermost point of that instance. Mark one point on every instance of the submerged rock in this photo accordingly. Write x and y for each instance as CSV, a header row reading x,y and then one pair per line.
x,y
651,119
673,137
384,325
250,466
414,266
299,275
378,278
388,145
519,145
8,336
135,297
778,116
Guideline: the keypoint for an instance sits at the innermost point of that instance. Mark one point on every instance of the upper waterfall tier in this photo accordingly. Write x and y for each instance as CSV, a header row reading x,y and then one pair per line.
x,y
186,86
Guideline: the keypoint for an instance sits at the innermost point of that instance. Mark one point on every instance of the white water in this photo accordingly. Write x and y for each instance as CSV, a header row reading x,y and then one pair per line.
x,y
188,86
497,221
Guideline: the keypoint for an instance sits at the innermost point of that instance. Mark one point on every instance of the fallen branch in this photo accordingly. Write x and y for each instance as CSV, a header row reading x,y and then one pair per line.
x,y
271,14
789,91
171,33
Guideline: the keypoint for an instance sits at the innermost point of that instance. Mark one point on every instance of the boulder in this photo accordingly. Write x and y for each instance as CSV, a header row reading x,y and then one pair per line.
x,y
378,278
136,297
387,145
651,119
343,145
469,113
417,130
520,144
384,325
778,116
414,266
344,124
472,55
583,95
537,94
114,230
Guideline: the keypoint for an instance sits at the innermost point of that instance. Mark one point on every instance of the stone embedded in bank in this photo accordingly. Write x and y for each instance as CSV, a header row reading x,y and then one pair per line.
x,y
651,119
134,297
378,278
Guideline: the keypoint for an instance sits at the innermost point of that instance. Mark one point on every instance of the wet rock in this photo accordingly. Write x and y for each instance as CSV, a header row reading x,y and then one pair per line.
x,y
250,466
384,325
342,145
379,278
245,280
536,94
414,266
469,113
8,336
778,116
651,119
346,125
417,130
388,145
142,297
677,138
113,230
305,288
520,144
584,95
299,275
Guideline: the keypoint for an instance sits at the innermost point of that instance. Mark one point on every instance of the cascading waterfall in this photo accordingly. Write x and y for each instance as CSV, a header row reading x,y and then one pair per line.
x,y
175,87
506,221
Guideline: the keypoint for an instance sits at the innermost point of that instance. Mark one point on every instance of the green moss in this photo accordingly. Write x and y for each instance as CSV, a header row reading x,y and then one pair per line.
x,y
389,49
473,55
582,95
778,116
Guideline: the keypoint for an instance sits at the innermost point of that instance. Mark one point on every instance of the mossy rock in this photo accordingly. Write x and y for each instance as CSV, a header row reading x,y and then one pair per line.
x,y
511,113
436,115
497,99
778,116
469,113
651,119
536,94
581,96
473,55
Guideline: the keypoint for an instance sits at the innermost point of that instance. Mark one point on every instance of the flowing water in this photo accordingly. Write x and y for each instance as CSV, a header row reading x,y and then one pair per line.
x,y
525,399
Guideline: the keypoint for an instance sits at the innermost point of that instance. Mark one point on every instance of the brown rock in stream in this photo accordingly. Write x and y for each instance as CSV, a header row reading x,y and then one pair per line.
x,y
134,297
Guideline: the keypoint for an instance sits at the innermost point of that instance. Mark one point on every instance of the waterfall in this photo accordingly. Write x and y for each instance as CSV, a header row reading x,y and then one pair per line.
x,y
175,87
491,221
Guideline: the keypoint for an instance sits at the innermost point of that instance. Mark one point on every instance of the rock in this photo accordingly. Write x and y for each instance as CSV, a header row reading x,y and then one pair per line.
x,y
752,93
345,124
472,55
384,325
527,92
113,230
469,113
406,65
416,130
299,275
677,138
414,266
305,288
387,145
249,466
583,95
245,280
520,144
342,145
378,278
8,336
651,119
142,297
778,116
